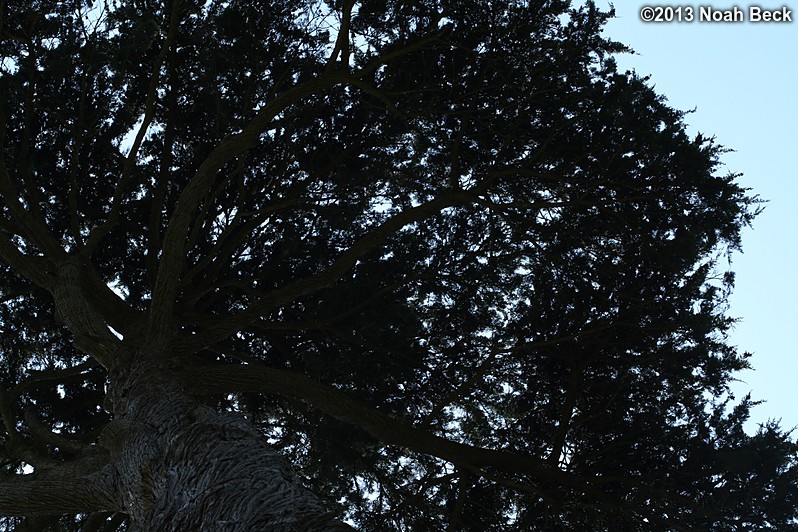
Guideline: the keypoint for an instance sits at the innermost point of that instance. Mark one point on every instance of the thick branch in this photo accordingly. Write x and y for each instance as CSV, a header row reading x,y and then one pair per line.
x,y
43,434
28,495
59,374
250,378
79,313
34,228
114,310
37,269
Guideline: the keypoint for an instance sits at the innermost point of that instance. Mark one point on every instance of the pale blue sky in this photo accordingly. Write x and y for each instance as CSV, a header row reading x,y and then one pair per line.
x,y
742,79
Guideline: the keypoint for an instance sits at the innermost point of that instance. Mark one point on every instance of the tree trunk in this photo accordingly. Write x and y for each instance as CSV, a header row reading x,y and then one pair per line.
x,y
183,466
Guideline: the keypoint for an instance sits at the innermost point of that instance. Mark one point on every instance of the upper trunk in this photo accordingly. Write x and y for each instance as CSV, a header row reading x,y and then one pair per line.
x,y
183,466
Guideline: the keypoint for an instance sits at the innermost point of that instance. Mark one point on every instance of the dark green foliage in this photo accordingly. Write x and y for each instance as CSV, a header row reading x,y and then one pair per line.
x,y
539,262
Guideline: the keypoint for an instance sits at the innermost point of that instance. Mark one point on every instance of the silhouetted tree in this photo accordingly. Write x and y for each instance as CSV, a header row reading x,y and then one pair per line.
x,y
426,265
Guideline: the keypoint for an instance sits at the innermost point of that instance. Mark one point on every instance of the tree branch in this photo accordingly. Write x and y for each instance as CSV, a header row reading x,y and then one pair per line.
x,y
226,326
34,229
175,239
60,375
149,113
29,495
80,314
341,47
294,386
43,434
77,146
38,269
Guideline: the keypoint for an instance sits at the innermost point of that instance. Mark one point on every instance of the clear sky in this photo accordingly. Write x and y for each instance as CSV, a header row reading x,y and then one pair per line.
x,y
742,80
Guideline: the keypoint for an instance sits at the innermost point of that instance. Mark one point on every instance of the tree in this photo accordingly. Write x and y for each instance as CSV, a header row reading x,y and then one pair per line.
x,y
430,265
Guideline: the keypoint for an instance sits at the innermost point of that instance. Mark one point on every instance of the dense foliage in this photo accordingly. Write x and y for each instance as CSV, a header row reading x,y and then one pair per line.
x,y
453,264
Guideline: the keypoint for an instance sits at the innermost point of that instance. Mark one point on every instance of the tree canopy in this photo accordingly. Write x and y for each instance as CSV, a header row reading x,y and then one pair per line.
x,y
427,265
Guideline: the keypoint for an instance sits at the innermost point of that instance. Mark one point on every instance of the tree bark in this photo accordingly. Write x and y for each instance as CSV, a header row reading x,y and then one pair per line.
x,y
183,466
215,473
29,495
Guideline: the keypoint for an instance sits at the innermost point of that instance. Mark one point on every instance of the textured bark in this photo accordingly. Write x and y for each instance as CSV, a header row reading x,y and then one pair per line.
x,y
30,495
77,311
184,466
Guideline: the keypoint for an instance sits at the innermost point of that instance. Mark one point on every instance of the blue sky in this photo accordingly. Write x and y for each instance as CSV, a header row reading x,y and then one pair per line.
x,y
742,81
